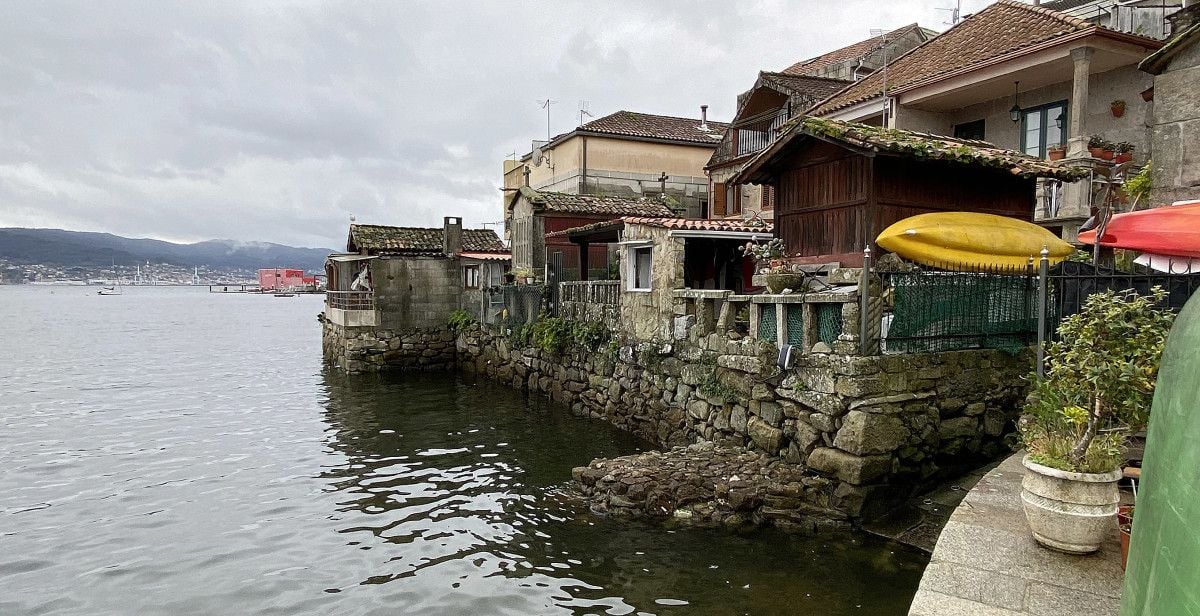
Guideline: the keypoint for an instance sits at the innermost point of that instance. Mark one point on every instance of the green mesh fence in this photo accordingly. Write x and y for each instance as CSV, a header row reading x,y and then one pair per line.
x,y
795,323
829,322
768,328
936,311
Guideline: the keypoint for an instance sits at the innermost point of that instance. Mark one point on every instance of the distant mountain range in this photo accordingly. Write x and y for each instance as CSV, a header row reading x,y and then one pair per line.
x,y
77,248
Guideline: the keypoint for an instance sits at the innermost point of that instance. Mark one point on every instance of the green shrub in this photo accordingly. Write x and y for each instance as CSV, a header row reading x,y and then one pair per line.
x,y
557,335
460,320
1099,382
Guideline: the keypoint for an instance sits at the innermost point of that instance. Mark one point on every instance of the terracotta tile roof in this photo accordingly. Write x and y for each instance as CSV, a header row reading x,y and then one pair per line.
x,y
417,240
818,88
857,50
680,224
651,126
1005,27
908,144
594,204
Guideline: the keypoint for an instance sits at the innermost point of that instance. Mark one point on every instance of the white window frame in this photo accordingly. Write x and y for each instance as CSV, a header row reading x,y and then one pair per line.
x,y
468,270
630,273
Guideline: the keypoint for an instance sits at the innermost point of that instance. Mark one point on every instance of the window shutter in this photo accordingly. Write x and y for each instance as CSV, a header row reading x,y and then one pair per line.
x,y
718,198
768,197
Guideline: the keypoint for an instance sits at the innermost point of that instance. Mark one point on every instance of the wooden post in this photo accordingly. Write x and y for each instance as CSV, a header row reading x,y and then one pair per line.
x,y
583,260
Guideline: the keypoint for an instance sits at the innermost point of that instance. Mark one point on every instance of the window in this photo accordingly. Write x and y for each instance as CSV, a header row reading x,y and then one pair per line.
x,y
641,260
471,277
719,197
969,130
733,200
1042,127
768,198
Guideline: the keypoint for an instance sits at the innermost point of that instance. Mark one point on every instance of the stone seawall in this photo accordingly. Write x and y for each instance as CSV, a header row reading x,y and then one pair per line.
x,y
877,427
370,349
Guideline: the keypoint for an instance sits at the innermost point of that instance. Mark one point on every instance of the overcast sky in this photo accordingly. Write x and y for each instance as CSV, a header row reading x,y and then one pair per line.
x,y
269,121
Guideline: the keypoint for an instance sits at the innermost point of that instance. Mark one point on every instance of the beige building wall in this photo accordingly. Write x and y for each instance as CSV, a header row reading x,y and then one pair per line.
x,y
619,167
1125,83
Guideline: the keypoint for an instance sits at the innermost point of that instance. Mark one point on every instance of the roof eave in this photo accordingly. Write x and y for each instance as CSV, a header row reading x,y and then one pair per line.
x,y
664,140
1047,44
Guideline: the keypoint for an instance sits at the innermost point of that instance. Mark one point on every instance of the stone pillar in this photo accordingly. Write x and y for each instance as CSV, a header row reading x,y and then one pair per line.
x,y
1076,139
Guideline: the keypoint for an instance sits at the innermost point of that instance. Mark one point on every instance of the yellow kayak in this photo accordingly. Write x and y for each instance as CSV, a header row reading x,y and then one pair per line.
x,y
970,241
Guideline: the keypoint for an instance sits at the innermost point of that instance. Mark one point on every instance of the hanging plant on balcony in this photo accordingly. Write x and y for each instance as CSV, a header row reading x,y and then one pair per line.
x,y
1117,107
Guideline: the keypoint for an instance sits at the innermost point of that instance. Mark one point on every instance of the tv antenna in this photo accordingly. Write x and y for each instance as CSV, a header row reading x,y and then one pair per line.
x,y
546,105
955,13
583,111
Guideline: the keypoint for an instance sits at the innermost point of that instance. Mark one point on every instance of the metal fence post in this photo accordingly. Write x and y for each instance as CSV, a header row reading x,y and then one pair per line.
x,y
864,303
1043,280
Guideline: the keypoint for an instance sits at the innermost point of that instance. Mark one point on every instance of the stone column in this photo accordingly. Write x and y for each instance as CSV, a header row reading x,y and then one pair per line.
x,y
1076,139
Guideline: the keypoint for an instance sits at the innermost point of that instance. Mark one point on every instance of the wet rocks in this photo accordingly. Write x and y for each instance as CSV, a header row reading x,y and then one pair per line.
x,y
709,485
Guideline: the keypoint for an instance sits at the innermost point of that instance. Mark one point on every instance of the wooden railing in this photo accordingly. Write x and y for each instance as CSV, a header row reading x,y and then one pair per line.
x,y
590,300
604,292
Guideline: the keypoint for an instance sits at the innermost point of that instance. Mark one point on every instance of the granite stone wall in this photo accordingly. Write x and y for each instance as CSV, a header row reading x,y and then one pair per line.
x,y
371,349
877,427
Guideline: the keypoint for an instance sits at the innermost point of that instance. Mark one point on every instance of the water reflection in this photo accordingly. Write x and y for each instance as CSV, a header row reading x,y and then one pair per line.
x,y
172,452
462,483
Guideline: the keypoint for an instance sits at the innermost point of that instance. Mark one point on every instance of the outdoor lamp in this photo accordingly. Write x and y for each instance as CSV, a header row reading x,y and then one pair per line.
x,y
1014,113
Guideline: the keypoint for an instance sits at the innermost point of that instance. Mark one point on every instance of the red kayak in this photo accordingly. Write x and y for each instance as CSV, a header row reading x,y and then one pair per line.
x,y
1173,230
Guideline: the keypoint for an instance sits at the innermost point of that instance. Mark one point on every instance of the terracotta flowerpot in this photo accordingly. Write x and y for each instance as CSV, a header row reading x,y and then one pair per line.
x,y
1107,155
1117,110
1123,157
1096,152
1125,525
1057,154
1069,512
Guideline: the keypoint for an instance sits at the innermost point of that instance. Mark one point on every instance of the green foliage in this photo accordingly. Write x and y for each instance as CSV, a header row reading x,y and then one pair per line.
x,y
648,355
1099,382
712,388
1138,187
460,320
557,335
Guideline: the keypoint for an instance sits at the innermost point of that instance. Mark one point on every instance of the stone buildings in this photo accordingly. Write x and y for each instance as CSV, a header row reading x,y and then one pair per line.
x,y
401,278
624,154
1175,134
532,214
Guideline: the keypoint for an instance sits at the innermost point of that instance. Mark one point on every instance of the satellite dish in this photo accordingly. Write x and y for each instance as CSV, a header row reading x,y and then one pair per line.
x,y
538,155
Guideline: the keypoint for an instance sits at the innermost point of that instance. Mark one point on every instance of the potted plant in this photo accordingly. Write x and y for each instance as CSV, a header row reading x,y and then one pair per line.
x,y
523,275
1098,385
1117,107
1096,146
1057,152
1124,152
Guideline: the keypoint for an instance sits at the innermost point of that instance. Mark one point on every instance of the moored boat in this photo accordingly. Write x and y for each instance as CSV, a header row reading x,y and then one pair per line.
x,y
971,241
1173,231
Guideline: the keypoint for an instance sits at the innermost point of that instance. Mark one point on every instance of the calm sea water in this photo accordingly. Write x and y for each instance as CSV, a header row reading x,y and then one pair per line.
x,y
168,451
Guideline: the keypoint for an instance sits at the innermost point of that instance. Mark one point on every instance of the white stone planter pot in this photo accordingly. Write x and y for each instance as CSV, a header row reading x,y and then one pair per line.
x,y
1069,512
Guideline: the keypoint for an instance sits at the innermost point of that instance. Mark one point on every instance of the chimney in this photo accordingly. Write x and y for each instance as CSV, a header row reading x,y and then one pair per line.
x,y
452,235
704,117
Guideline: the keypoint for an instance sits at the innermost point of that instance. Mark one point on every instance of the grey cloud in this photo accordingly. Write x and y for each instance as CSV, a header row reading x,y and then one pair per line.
x,y
276,121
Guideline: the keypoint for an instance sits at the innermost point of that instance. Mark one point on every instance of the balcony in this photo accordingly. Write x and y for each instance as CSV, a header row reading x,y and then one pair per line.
x,y
351,308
